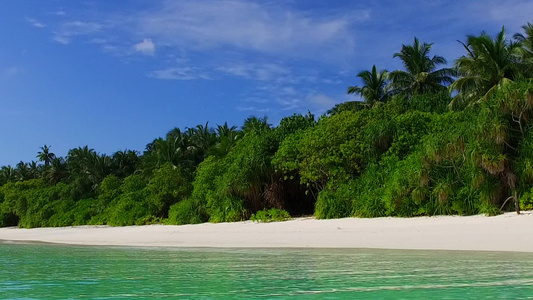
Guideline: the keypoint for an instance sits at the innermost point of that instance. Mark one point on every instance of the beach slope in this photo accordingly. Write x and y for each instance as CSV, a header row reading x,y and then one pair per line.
x,y
507,232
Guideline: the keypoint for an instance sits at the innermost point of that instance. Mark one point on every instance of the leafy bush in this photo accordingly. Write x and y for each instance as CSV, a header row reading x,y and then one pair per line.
x,y
270,215
187,211
167,186
334,204
225,209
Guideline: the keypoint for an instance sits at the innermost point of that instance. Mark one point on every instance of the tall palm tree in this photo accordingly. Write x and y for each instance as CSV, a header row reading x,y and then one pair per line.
x,y
374,86
35,169
421,74
22,171
526,47
7,174
99,167
202,138
79,162
125,162
45,155
56,172
227,137
488,64
255,124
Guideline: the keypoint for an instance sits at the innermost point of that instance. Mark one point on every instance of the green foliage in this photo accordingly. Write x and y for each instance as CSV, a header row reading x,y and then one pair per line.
x,y
436,103
334,204
167,186
187,211
270,215
225,209
352,106
401,153
321,156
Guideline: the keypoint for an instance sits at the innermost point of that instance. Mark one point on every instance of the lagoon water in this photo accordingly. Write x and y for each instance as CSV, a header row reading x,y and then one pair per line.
x,y
36,271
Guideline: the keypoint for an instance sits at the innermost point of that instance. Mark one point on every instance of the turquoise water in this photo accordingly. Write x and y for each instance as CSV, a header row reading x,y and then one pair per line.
x,y
69,272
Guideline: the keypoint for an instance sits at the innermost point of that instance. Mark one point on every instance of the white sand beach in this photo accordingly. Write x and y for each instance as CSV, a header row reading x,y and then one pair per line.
x,y
507,232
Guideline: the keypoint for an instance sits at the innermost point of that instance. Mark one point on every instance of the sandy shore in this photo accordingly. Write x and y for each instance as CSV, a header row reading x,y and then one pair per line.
x,y
508,232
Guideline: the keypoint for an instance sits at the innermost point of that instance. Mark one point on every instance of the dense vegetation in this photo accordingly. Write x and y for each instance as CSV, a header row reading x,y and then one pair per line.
x,y
425,141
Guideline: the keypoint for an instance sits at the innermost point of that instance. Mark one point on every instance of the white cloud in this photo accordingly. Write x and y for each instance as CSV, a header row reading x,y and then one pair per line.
x,y
259,72
60,13
253,109
247,25
179,73
289,103
69,30
510,13
321,100
35,23
99,41
145,47
12,71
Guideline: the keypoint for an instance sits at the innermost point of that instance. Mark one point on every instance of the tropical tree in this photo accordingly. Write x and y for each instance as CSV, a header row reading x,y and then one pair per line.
x,y
45,155
22,171
125,162
176,148
526,47
56,172
488,64
35,169
374,86
227,137
202,137
7,174
421,74
79,161
255,124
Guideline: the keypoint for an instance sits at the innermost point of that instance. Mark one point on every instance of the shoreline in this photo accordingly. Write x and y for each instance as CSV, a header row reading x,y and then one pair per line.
x,y
506,232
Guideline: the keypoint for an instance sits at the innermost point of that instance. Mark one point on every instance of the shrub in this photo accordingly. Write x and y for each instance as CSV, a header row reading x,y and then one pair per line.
x,y
221,208
187,211
270,215
333,204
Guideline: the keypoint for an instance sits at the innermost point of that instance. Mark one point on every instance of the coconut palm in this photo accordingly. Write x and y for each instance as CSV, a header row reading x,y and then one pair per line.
x,y
227,137
7,174
35,169
125,162
255,124
45,155
488,64
22,171
79,160
421,74
374,86
202,138
526,47
56,171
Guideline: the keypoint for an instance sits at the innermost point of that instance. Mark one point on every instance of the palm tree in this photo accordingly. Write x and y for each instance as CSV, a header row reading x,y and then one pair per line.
x,y
7,174
22,171
99,167
56,172
227,137
255,124
526,47
125,162
374,88
35,169
488,64
202,138
45,155
421,74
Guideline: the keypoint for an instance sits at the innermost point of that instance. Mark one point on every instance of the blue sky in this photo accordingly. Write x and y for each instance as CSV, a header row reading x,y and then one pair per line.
x,y
113,75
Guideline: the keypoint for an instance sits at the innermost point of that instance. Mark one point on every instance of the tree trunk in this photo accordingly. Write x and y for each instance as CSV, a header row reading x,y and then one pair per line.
x,y
516,203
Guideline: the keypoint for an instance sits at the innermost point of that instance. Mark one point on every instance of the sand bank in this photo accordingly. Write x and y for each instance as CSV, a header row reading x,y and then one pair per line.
x,y
507,232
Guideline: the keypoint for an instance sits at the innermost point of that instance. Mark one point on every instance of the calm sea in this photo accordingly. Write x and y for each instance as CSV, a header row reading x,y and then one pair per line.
x,y
70,272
